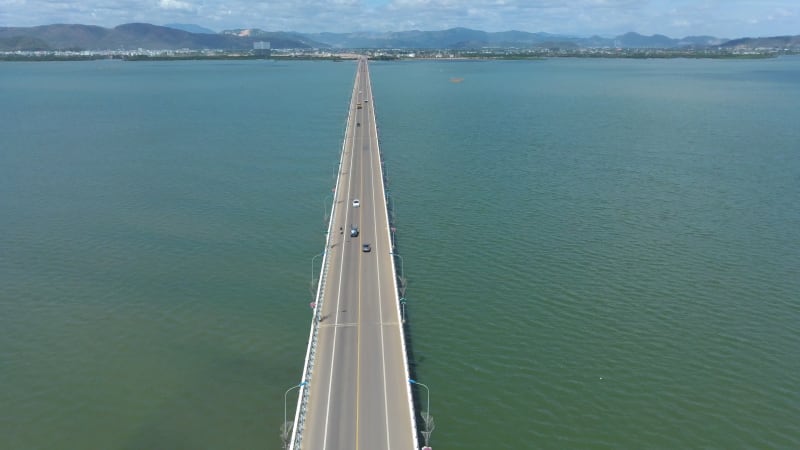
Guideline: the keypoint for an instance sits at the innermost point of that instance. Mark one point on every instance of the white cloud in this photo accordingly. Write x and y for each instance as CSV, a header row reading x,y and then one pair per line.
x,y
681,23
176,4
675,18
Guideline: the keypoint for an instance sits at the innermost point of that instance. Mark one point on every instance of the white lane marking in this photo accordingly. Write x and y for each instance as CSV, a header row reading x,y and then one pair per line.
x,y
398,325
339,293
339,325
380,307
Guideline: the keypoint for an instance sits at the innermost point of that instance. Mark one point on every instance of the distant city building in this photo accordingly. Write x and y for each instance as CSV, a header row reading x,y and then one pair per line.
x,y
262,48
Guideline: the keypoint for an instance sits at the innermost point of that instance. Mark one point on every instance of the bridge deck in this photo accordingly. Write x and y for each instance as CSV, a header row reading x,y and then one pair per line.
x,y
358,395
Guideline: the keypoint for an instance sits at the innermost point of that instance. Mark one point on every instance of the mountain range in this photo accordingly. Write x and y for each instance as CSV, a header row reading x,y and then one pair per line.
x,y
133,36
176,36
462,38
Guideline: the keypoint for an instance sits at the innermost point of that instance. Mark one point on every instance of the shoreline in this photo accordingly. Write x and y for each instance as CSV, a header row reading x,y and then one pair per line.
x,y
426,56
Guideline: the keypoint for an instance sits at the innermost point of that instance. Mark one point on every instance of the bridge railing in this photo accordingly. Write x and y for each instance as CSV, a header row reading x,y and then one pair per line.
x,y
311,351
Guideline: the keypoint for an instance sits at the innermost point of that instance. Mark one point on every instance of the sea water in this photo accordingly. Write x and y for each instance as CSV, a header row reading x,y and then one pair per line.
x,y
599,253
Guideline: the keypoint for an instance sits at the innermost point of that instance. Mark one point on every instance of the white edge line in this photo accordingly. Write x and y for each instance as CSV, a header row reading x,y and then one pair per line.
x,y
339,293
314,326
378,263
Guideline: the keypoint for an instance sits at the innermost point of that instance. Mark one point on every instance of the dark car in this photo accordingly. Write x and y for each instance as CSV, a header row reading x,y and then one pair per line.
x,y
353,231
366,248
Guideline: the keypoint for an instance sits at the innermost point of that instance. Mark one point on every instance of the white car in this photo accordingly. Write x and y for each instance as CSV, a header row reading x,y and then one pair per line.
x,y
356,203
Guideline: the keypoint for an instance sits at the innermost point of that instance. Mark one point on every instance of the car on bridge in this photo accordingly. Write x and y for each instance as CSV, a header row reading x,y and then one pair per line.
x,y
366,248
353,231
356,203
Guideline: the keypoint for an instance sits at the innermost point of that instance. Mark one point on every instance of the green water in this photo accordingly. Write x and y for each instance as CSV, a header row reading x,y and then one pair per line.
x,y
600,253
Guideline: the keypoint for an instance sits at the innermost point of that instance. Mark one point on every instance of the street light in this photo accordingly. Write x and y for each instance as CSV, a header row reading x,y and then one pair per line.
x,y
312,266
403,306
427,416
402,264
402,278
325,203
285,434
312,263
426,389
391,206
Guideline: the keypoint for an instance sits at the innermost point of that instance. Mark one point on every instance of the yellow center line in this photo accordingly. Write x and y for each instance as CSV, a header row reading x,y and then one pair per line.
x,y
358,319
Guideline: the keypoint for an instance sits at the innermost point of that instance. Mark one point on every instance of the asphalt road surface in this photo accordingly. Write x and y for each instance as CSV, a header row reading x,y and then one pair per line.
x,y
359,397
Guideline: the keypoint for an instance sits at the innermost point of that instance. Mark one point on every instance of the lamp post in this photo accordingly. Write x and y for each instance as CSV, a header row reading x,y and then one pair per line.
x,y
390,205
312,266
335,168
402,264
403,306
311,283
325,203
428,410
427,416
285,394
402,278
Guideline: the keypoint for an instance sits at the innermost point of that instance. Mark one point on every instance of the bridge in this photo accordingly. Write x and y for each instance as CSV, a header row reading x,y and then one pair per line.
x,y
356,391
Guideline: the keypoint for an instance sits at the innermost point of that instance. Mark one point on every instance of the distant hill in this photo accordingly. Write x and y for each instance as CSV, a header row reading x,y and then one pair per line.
x,y
700,41
256,34
191,28
452,38
15,43
636,40
455,38
57,36
142,35
134,36
790,42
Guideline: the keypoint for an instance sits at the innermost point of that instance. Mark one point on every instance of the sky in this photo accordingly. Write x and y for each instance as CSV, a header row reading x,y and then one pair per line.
x,y
674,18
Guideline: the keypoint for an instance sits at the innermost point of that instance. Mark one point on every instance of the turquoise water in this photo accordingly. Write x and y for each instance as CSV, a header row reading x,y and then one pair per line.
x,y
600,253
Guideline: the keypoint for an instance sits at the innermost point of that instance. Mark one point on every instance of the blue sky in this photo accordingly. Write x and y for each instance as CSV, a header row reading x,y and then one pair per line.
x,y
676,18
